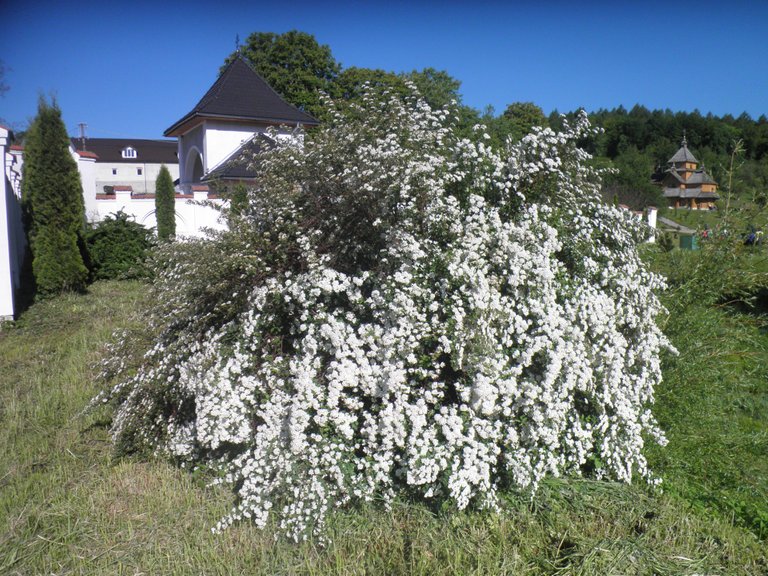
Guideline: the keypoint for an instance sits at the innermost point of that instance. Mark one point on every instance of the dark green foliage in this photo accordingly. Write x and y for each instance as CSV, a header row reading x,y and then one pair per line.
x,y
52,199
658,133
350,83
522,117
441,90
117,246
165,205
295,65
238,198
516,121
437,87
631,183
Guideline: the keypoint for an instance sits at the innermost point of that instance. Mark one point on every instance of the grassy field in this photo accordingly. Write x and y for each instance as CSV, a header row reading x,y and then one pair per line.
x,y
66,507
742,214
713,402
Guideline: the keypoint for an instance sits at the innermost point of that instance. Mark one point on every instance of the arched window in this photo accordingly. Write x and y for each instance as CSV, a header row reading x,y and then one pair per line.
x,y
129,152
197,170
193,170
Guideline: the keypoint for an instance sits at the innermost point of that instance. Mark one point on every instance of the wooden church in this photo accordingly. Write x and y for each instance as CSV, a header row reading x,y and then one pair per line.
x,y
685,184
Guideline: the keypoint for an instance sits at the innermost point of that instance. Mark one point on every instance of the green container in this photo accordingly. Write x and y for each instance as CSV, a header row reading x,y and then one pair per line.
x,y
689,242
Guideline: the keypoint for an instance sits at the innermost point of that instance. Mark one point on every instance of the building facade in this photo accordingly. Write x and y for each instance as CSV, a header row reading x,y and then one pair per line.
x,y
127,162
216,143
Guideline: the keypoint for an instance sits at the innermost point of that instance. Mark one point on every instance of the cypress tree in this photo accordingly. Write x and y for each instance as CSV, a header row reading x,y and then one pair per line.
x,y
52,199
165,205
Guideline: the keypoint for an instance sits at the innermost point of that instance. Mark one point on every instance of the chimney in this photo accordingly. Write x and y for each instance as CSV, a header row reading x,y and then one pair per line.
x,y
82,126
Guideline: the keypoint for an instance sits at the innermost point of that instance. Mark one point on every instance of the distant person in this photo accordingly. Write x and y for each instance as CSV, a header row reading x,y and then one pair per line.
x,y
751,238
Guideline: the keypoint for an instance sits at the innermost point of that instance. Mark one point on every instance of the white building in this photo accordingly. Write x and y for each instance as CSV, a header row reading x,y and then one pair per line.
x,y
216,134
126,162
216,140
119,174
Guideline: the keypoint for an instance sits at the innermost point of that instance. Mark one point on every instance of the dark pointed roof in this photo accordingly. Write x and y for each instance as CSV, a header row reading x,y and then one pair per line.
x,y
683,154
241,94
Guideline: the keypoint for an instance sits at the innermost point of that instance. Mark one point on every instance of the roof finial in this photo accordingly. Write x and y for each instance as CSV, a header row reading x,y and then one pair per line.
x,y
685,141
237,43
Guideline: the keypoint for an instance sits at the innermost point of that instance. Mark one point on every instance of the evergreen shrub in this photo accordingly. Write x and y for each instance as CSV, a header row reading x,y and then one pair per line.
x,y
165,205
400,311
118,247
52,200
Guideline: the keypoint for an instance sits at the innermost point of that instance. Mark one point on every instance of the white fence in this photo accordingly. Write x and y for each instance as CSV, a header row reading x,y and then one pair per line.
x,y
194,212
12,238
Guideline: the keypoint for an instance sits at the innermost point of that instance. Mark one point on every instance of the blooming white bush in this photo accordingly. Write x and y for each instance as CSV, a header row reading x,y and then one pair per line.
x,y
401,311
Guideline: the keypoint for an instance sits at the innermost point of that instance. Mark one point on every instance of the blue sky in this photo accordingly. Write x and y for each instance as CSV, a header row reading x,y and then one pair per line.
x,y
131,69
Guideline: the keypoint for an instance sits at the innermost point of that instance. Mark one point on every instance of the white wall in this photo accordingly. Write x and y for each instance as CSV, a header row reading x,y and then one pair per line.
x,y
87,168
651,215
190,216
223,138
12,238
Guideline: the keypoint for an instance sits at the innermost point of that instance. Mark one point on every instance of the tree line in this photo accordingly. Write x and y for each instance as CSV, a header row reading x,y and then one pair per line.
x,y
637,142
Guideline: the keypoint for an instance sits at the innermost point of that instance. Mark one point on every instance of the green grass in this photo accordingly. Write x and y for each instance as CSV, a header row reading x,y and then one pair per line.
x,y
742,214
66,507
713,402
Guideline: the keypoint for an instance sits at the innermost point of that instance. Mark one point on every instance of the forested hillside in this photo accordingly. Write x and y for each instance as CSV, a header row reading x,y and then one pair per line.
x,y
640,141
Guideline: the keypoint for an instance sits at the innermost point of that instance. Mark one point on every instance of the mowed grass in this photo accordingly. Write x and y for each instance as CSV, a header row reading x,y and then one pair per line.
x,y
67,507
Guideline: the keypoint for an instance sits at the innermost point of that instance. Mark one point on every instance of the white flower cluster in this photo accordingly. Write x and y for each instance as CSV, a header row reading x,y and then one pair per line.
x,y
431,316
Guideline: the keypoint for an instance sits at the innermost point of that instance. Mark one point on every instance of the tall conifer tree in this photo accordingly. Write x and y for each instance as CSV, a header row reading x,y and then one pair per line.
x,y
165,205
52,197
